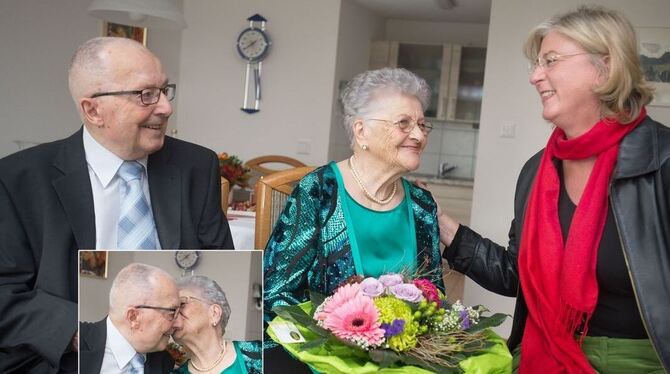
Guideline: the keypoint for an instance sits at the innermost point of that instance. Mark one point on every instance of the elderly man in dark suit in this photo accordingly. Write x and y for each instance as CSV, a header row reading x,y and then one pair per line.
x,y
143,304
119,182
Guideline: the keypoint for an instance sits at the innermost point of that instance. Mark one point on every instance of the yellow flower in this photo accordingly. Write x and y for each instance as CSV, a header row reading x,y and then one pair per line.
x,y
390,309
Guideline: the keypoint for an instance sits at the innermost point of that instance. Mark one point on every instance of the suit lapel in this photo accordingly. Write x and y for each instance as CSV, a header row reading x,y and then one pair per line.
x,y
93,341
156,364
165,191
74,190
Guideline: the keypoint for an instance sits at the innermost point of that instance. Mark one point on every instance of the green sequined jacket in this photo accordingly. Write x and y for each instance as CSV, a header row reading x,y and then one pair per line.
x,y
251,354
309,247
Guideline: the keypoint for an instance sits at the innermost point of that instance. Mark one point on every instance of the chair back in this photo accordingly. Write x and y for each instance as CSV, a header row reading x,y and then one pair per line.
x,y
225,191
256,164
272,191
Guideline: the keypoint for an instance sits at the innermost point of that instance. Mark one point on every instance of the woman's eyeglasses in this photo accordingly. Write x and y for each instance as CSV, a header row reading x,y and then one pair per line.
x,y
407,125
548,60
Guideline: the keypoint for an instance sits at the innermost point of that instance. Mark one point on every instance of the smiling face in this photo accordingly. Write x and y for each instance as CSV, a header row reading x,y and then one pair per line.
x,y
196,315
396,149
566,85
122,123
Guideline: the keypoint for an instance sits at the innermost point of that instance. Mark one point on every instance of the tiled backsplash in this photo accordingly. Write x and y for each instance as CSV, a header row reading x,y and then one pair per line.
x,y
453,143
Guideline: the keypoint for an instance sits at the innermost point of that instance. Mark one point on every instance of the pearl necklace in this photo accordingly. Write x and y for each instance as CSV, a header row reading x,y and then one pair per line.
x,y
216,362
365,190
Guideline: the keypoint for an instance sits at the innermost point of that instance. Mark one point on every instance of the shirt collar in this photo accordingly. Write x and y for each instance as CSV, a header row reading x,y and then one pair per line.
x,y
102,161
122,350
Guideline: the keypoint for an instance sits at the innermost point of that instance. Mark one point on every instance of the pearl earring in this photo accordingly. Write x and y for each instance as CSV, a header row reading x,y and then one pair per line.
x,y
365,147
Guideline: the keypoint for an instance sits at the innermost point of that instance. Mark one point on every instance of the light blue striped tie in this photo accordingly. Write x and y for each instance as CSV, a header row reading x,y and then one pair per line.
x,y
137,364
137,229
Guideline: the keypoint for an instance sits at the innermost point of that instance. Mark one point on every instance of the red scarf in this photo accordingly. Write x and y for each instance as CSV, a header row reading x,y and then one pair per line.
x,y
559,279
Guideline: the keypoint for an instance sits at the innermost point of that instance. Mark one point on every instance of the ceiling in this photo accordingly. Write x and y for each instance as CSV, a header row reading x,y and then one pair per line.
x,y
464,11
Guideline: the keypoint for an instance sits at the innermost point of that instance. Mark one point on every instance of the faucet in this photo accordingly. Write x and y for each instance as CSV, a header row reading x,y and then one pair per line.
x,y
444,169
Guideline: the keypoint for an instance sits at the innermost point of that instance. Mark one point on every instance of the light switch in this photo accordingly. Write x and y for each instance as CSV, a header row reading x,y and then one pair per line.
x,y
304,147
507,130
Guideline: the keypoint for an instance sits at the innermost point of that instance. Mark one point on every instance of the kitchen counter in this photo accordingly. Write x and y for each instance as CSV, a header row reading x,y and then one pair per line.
x,y
432,179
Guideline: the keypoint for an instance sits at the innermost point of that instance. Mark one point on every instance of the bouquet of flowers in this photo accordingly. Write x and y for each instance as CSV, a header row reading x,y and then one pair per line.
x,y
234,170
396,324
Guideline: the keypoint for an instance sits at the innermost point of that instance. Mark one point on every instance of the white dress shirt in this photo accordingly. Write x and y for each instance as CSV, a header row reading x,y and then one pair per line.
x,y
118,352
108,191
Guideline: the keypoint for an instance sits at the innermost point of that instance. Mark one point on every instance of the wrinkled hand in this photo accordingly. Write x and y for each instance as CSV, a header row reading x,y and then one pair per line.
x,y
75,342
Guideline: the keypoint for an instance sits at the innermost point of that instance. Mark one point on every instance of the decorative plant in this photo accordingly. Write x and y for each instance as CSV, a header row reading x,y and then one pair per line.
x,y
233,169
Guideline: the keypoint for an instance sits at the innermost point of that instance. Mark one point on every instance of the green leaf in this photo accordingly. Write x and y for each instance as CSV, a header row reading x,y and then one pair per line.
x,y
490,321
295,314
317,299
314,343
384,357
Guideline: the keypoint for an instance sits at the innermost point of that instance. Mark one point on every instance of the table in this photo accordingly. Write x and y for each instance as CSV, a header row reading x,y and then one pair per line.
x,y
242,228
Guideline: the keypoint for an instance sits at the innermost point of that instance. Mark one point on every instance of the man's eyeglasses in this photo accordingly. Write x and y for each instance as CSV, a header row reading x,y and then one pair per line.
x,y
548,60
169,313
148,96
406,125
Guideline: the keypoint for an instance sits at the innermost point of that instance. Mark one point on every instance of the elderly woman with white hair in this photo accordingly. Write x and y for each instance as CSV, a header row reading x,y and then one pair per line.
x,y
200,328
358,216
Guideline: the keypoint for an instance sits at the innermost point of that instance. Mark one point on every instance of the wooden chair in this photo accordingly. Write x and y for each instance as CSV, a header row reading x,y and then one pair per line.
x,y
272,191
255,164
225,191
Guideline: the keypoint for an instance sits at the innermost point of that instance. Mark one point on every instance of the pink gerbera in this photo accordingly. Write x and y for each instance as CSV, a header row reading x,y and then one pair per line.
x,y
341,296
356,320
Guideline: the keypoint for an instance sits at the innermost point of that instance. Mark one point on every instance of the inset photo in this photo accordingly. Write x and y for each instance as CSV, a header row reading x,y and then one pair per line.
x,y
183,311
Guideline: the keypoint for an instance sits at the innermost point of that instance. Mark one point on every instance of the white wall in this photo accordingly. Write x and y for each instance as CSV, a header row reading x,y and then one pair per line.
x,y
357,28
37,40
234,271
508,98
297,77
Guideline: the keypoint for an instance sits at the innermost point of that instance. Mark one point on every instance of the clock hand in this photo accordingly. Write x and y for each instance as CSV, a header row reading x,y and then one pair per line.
x,y
250,44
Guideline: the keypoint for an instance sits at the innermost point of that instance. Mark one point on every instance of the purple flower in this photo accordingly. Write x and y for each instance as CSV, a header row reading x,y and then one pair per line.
x,y
391,279
407,292
394,328
372,287
465,323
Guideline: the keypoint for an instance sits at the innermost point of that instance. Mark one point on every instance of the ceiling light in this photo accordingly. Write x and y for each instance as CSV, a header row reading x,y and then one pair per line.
x,y
445,4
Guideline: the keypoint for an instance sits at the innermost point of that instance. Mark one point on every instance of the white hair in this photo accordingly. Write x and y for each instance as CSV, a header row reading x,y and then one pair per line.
x,y
359,94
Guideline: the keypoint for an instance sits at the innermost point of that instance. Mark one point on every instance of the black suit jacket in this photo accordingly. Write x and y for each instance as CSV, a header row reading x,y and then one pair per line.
x,y
93,337
46,215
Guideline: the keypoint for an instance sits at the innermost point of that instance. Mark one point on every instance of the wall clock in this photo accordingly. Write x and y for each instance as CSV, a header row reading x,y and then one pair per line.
x,y
253,45
187,260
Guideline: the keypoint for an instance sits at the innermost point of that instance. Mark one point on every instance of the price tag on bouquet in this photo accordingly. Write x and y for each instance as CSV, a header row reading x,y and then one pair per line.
x,y
286,332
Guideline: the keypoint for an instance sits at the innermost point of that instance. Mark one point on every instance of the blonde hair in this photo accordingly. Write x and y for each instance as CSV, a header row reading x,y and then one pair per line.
x,y
606,32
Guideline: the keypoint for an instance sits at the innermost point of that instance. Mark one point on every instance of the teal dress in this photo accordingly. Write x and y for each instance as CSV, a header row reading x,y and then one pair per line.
x,y
248,360
385,239
311,246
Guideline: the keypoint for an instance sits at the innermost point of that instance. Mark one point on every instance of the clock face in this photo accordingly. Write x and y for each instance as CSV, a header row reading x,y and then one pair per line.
x,y
253,44
186,259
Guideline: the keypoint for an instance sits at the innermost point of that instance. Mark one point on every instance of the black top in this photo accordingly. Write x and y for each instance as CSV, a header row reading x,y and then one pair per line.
x,y
616,314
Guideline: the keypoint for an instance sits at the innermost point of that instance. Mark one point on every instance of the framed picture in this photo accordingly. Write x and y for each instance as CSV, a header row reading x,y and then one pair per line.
x,y
123,31
93,264
655,57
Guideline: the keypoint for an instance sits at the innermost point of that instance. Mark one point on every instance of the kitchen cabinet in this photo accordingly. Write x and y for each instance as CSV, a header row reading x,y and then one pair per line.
x,y
455,74
455,198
